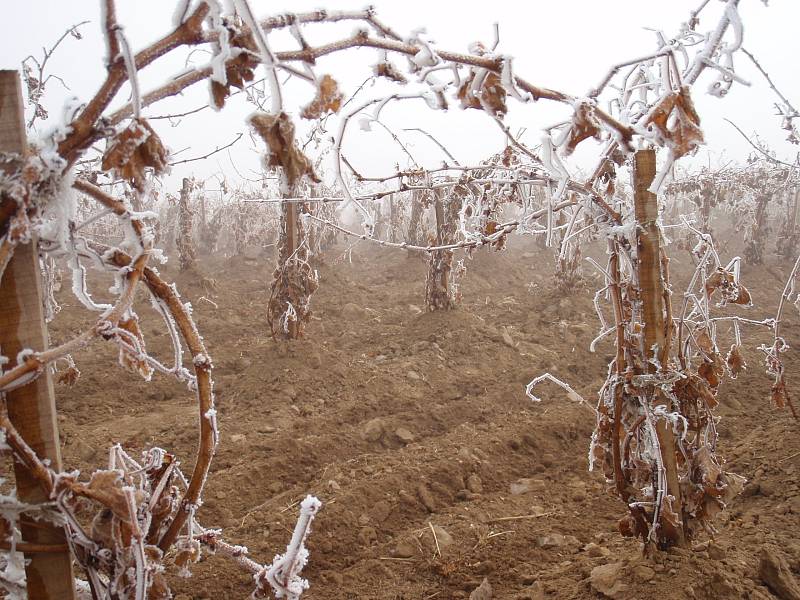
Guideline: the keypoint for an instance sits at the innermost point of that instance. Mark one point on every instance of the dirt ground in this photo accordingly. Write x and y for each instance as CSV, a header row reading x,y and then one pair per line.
x,y
413,428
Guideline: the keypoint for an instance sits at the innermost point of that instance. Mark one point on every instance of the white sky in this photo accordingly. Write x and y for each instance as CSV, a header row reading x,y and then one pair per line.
x,y
562,44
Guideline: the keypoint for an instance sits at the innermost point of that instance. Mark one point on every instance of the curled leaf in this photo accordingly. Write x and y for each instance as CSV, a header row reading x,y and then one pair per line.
x,y
239,69
676,120
389,71
490,96
735,361
134,149
584,125
277,131
69,376
328,99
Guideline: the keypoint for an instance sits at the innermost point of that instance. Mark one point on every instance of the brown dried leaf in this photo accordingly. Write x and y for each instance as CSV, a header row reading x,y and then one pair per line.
x,y
735,361
710,371
105,487
389,71
69,376
238,70
779,393
743,297
127,357
490,97
584,125
328,99
686,134
278,133
134,149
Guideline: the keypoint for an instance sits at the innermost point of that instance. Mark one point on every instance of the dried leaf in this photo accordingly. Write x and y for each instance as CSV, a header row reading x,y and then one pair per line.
x,y
743,297
389,71
238,70
685,134
735,361
105,487
584,125
328,99
490,97
134,149
278,133
69,376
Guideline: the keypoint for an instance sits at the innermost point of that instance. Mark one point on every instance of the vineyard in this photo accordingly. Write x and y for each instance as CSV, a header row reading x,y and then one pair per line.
x,y
563,370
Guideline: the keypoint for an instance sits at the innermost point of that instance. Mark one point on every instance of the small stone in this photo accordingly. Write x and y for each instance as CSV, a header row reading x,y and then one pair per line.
x,y
507,339
367,535
442,536
405,549
353,312
606,579
373,430
596,551
643,573
716,552
474,484
425,496
404,435
482,592
413,375
267,429
238,438
751,489
414,309
333,485
775,573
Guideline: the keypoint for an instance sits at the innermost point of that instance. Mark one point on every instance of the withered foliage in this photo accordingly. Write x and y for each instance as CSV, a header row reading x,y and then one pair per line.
x,y
685,135
489,96
584,126
277,131
388,71
328,99
134,149
238,70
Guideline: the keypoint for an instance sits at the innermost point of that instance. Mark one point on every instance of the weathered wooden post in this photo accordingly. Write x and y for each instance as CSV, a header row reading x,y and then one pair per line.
x,y
651,289
31,408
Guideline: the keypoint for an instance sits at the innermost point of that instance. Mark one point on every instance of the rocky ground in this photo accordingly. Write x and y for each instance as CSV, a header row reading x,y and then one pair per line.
x,y
439,478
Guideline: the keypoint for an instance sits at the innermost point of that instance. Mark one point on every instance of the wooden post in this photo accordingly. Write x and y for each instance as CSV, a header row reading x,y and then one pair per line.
x,y
31,408
651,288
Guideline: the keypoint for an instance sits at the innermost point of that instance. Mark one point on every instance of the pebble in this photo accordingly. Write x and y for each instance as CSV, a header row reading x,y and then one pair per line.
x,y
606,579
373,430
474,484
482,592
643,573
404,435
596,551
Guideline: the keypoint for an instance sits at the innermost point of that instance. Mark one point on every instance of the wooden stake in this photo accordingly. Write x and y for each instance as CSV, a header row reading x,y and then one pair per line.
x,y
651,288
31,408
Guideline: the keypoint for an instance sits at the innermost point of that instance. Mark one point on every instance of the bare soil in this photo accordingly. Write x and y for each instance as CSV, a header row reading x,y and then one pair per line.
x,y
413,428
